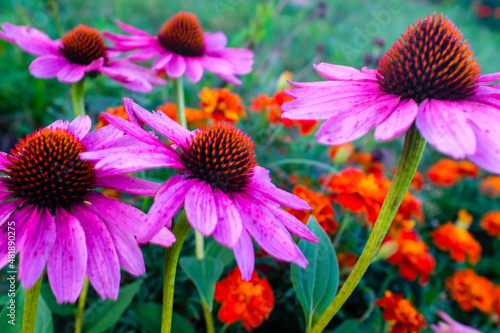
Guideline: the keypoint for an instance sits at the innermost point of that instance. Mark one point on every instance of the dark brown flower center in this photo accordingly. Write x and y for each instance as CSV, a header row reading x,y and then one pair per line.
x,y
429,61
222,156
45,169
82,45
182,34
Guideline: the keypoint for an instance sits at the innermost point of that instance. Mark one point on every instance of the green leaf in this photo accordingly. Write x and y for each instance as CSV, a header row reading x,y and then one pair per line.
x,y
102,315
216,250
64,309
149,318
316,286
204,273
43,321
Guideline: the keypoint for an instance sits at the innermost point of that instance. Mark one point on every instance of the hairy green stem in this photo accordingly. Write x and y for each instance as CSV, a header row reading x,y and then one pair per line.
x,y
30,306
181,230
81,306
410,157
78,102
179,101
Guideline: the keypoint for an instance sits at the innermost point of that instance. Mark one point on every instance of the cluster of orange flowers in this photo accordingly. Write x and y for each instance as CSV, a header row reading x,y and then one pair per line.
x,y
448,172
400,313
490,186
322,209
249,301
346,154
472,291
272,106
491,223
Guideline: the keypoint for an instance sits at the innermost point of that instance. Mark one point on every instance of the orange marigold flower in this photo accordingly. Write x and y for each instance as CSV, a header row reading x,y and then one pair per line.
x,y
400,313
458,242
195,118
321,205
400,224
116,111
417,181
490,186
413,257
261,102
471,291
248,301
448,172
491,223
221,105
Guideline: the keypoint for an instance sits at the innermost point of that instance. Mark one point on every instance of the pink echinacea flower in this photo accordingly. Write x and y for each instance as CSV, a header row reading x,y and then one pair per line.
x,y
451,326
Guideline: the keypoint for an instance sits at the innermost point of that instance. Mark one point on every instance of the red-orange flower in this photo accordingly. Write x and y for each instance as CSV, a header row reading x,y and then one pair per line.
x,y
448,172
116,111
221,105
491,223
321,209
471,291
458,242
400,313
490,186
417,181
195,118
413,257
248,301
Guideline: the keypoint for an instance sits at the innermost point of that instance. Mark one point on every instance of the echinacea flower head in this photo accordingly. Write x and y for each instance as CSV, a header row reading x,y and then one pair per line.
x,y
221,105
400,313
491,223
451,326
81,51
61,222
458,242
224,193
446,172
471,291
249,301
429,78
183,47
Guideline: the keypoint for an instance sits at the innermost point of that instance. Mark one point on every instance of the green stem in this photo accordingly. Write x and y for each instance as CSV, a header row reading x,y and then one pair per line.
x,y
181,230
179,101
410,157
78,102
302,161
81,306
343,225
209,321
30,306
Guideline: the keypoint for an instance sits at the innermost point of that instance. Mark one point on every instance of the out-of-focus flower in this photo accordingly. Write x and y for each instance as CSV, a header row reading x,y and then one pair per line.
x,y
346,261
471,291
400,224
413,257
194,117
249,301
321,205
340,154
221,105
183,48
81,51
401,314
458,242
448,172
491,223
63,222
417,182
490,186
118,111
451,326
224,193
446,97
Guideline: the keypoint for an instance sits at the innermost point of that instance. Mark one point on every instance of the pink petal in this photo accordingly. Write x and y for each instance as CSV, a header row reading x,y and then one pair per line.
x,y
245,255
99,138
31,40
231,79
80,126
229,225
194,69
59,124
8,208
121,163
71,73
200,207
95,65
47,66
3,161
214,41
487,154
162,61
217,65
444,125
37,244
21,218
488,78
103,268
131,30
128,184
144,54
398,122
343,73
242,59
67,264
176,66
164,238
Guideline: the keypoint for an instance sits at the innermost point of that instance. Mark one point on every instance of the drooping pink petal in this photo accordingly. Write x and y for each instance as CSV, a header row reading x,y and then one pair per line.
x,y
103,268
245,255
176,66
231,78
37,245
214,41
444,125
130,29
194,69
343,73
71,73
80,126
8,208
229,225
95,65
398,122
168,200
217,65
128,184
201,209
144,54
164,238
98,139
31,40
67,263
4,195
47,66
488,78
3,161
125,162
487,154
162,61
242,59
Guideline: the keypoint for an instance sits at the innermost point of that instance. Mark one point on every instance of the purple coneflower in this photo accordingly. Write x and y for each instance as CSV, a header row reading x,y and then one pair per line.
x,y
184,48
428,77
48,192
80,51
224,193
451,326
